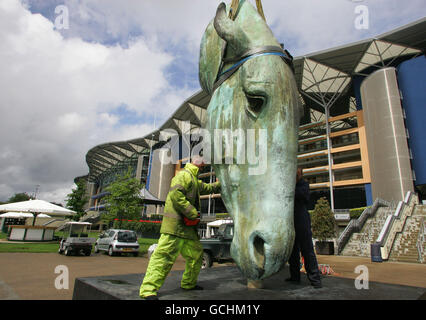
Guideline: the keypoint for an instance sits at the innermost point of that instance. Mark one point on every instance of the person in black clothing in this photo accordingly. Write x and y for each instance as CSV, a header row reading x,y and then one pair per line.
x,y
303,240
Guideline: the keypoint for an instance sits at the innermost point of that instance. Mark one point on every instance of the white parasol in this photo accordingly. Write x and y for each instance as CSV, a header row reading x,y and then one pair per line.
x,y
36,207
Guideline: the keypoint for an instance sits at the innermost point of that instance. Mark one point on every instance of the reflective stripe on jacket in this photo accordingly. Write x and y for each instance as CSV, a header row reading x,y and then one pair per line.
x,y
183,199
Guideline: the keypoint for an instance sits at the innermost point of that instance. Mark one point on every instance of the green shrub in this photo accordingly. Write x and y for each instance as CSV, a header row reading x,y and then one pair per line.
x,y
323,223
156,217
142,227
222,215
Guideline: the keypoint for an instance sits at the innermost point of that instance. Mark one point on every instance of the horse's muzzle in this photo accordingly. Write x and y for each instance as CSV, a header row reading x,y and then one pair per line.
x,y
261,254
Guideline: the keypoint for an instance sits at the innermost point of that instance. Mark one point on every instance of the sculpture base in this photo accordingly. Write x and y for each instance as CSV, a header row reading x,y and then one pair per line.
x,y
255,284
227,283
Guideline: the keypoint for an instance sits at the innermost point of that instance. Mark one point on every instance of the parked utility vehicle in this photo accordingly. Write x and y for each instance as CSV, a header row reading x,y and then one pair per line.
x,y
75,239
217,246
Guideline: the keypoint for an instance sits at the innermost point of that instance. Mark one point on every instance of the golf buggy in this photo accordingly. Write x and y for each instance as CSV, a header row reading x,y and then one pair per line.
x,y
75,239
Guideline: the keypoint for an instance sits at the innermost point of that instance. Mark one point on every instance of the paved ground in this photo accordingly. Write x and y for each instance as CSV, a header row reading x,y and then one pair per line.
x,y
409,274
32,275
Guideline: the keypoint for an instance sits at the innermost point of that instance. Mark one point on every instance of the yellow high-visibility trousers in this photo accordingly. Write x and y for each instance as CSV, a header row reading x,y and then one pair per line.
x,y
164,257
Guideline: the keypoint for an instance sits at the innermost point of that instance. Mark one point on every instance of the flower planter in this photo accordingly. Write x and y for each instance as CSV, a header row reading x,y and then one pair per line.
x,y
324,247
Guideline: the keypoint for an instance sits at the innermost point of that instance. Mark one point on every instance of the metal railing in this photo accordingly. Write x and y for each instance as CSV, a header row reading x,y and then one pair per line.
x,y
421,240
355,225
395,223
202,233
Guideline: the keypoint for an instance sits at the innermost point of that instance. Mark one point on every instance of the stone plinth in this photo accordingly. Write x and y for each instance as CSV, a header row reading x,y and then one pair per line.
x,y
227,283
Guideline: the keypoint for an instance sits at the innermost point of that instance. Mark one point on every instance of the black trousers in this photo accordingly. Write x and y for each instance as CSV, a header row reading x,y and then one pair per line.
x,y
303,245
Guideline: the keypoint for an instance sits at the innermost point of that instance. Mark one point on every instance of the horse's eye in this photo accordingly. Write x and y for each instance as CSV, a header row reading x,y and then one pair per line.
x,y
255,104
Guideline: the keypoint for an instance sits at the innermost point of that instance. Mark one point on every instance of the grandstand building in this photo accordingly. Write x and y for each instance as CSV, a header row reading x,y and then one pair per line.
x,y
360,137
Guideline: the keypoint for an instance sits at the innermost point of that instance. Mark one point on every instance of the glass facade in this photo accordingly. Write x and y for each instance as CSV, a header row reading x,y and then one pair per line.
x,y
137,167
350,170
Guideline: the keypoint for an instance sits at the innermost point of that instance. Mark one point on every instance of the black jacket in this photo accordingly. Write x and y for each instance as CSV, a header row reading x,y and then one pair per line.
x,y
302,219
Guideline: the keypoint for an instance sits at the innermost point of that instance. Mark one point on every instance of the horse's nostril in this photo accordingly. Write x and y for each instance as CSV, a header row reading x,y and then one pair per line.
x,y
259,251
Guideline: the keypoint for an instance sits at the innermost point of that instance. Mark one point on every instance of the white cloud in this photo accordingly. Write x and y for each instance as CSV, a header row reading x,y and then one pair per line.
x,y
133,131
309,25
56,95
312,26
72,122
7,190
59,88
171,22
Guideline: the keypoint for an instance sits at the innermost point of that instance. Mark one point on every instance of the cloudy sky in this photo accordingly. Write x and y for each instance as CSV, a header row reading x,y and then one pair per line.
x,y
118,65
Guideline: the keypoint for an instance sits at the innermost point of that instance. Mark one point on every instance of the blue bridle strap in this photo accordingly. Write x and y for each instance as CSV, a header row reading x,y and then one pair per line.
x,y
257,52
239,63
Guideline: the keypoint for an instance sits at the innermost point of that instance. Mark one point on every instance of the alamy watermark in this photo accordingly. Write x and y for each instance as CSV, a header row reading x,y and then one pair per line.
x,y
239,146
62,281
362,19
62,20
361,282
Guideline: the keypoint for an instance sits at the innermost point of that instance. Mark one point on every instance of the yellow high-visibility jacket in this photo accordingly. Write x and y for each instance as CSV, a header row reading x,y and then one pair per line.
x,y
183,199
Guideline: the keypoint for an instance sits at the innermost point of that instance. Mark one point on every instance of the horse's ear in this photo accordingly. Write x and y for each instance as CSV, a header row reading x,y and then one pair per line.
x,y
230,31
222,23
211,54
210,58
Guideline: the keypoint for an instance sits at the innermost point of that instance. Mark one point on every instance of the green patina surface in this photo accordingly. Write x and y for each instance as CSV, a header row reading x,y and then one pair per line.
x,y
262,95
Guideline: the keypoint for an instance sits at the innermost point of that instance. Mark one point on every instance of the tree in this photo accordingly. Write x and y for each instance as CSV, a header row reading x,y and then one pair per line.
x,y
124,201
18,197
77,199
323,222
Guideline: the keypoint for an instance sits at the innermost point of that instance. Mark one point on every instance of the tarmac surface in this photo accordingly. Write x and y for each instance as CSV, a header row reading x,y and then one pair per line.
x,y
31,276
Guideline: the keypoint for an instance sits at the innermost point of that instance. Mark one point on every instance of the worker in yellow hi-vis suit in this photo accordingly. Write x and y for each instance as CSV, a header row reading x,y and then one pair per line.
x,y
179,231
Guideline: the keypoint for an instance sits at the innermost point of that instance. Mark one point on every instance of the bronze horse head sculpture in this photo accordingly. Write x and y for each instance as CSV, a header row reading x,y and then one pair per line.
x,y
254,94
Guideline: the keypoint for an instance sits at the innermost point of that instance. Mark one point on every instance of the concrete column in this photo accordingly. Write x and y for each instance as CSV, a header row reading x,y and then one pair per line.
x,y
162,173
139,167
91,192
389,158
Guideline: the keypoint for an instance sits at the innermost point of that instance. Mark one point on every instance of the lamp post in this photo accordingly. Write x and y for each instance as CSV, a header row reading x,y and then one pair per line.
x,y
330,158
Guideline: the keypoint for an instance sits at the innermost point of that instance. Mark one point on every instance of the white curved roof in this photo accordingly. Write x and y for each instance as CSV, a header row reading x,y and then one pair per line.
x,y
317,75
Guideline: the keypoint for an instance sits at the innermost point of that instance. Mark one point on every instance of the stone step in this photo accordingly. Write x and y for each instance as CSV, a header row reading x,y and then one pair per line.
x,y
408,248
411,250
413,256
404,257
407,256
405,252
408,253
407,260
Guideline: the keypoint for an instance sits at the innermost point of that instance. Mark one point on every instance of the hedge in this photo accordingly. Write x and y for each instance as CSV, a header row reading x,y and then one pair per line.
x,y
356,212
144,227
222,215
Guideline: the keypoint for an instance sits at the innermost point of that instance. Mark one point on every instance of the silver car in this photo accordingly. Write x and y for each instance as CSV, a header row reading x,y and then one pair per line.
x,y
117,241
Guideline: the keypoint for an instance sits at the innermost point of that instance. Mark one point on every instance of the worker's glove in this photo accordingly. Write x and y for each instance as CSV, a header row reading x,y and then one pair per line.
x,y
191,223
